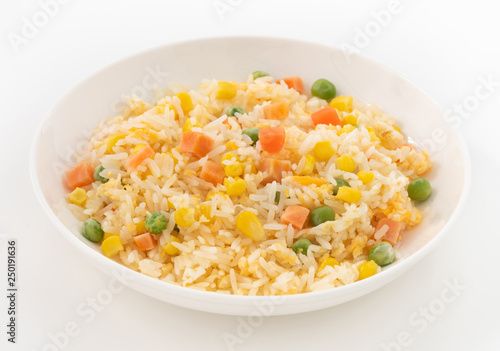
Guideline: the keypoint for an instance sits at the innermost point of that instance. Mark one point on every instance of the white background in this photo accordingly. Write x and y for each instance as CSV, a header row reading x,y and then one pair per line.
x,y
445,47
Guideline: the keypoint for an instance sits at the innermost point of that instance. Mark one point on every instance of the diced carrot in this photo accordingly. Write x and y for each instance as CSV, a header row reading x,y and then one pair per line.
x,y
196,143
295,215
393,232
276,110
327,115
295,83
136,159
145,241
274,169
79,176
212,173
272,139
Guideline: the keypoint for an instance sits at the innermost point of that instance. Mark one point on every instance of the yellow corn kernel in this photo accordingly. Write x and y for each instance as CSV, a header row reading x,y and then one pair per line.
x,y
249,224
153,137
365,176
225,90
186,102
145,134
190,125
323,150
349,119
329,261
373,137
137,148
185,217
189,172
206,210
309,163
346,129
130,227
212,193
306,180
169,248
172,108
170,204
140,227
367,269
342,103
160,109
146,174
111,141
234,169
111,246
396,128
109,235
227,157
253,169
78,196
236,187
345,163
172,157
348,194
231,145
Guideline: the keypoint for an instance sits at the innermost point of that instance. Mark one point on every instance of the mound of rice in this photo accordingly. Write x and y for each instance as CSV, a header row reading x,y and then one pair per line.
x,y
213,255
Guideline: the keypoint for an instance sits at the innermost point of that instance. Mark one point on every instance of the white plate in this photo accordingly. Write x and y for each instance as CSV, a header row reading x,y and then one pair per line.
x,y
68,123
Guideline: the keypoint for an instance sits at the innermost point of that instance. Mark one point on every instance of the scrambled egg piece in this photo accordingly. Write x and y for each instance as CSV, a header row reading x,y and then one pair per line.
x,y
419,162
390,138
136,107
192,274
338,250
401,210
145,134
283,254
323,191
357,245
245,268
104,189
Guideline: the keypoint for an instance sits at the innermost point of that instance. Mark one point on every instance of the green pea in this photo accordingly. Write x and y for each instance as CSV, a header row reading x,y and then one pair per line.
x,y
324,89
156,222
97,175
235,109
301,246
91,230
382,254
419,189
253,133
340,182
320,215
259,74
277,197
